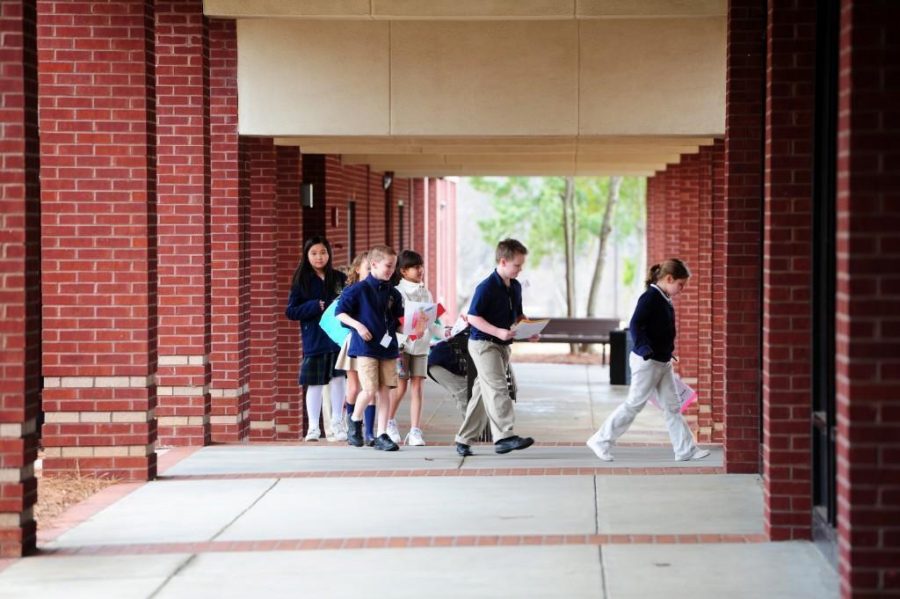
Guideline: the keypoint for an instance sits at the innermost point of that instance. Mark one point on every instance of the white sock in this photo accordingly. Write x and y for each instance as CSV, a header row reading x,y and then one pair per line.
x,y
337,391
314,404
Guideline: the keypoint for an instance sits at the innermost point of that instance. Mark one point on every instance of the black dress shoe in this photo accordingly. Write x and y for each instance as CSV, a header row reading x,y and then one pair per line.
x,y
512,443
355,434
463,449
384,443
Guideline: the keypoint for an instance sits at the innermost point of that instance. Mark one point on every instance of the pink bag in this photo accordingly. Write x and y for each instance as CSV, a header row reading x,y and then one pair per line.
x,y
686,395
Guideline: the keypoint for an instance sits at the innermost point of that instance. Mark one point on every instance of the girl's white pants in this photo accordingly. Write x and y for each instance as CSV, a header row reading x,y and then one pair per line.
x,y
647,376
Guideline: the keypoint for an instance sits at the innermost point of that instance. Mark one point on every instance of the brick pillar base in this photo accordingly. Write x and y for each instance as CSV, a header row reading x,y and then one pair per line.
x,y
98,153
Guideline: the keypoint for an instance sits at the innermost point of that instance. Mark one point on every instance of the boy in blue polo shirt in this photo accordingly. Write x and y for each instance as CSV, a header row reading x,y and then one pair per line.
x,y
372,308
496,306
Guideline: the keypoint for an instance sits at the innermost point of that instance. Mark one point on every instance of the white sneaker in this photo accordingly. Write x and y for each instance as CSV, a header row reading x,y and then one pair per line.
x,y
414,438
697,454
313,434
338,432
393,432
601,450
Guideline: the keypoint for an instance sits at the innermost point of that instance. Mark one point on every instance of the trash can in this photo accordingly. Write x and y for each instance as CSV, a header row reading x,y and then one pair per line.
x,y
620,346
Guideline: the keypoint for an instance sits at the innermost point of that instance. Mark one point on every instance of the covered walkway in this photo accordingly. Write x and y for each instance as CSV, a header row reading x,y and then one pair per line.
x,y
238,521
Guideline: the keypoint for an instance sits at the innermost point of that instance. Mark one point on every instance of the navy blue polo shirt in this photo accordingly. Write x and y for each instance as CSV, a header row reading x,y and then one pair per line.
x,y
496,303
652,326
377,305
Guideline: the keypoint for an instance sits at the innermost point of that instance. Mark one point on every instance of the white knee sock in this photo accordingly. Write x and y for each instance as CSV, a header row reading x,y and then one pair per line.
x,y
337,391
314,404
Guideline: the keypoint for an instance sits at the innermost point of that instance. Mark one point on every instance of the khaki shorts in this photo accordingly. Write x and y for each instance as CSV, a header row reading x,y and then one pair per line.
x,y
373,373
410,366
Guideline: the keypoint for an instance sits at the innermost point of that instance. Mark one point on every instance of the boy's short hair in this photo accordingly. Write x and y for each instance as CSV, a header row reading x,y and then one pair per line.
x,y
380,252
508,248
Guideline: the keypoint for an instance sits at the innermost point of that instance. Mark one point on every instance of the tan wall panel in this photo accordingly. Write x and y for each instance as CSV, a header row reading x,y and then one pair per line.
x,y
653,76
287,8
651,8
473,9
313,77
484,77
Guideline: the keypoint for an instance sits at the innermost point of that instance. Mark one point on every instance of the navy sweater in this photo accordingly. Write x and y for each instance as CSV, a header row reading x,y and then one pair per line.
x,y
653,326
304,306
379,307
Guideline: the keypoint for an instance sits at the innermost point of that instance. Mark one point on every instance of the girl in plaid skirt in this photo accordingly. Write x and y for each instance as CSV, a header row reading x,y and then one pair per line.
x,y
315,285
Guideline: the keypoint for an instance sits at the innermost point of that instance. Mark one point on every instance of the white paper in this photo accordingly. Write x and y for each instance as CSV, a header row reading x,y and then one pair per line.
x,y
418,317
526,329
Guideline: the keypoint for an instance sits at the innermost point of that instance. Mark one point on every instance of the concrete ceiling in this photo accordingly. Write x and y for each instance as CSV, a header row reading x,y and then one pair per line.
x,y
481,87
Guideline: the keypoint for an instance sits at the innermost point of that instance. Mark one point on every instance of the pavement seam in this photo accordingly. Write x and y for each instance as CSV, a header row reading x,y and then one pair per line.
x,y
247,509
174,573
404,542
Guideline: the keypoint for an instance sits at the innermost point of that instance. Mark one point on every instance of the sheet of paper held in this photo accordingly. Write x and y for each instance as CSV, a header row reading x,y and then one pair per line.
x,y
525,329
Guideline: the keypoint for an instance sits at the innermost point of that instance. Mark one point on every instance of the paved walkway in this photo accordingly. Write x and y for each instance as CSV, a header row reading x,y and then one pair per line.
x,y
290,520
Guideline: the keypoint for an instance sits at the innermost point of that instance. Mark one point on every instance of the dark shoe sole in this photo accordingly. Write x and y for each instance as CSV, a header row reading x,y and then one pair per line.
x,y
506,449
464,452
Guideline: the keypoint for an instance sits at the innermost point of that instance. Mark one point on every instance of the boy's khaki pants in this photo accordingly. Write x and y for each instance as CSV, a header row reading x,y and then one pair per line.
x,y
490,401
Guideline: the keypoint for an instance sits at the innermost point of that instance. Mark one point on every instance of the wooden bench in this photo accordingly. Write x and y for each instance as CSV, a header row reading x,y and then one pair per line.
x,y
580,330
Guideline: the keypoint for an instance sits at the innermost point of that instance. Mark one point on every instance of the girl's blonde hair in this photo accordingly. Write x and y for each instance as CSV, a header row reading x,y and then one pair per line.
x,y
352,273
672,266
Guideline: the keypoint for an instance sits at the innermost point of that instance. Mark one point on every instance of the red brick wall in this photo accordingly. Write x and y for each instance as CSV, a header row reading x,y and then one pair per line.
x,y
681,224
786,382
288,397
420,191
429,223
375,211
717,292
183,203
745,78
20,284
264,301
868,290
98,161
229,418
687,305
336,201
356,182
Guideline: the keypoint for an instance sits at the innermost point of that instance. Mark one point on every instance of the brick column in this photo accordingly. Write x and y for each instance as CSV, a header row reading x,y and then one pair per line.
x,y
745,79
703,268
375,209
98,163
868,328
417,214
20,277
183,203
717,293
429,223
288,400
336,199
264,302
787,269
685,228
229,352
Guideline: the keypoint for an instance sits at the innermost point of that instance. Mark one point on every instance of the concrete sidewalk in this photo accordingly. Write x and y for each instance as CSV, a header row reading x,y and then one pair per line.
x,y
334,521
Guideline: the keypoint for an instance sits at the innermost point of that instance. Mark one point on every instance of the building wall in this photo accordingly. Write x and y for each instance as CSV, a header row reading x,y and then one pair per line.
x,y
20,278
99,237
868,328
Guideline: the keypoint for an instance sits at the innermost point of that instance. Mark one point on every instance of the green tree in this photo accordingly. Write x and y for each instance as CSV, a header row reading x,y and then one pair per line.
x,y
603,209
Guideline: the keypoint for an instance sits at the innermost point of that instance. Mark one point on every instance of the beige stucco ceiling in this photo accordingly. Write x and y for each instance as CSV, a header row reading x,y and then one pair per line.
x,y
431,88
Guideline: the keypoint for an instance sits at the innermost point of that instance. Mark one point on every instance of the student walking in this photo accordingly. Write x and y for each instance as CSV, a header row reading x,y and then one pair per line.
x,y
496,307
358,270
372,308
412,363
652,329
315,285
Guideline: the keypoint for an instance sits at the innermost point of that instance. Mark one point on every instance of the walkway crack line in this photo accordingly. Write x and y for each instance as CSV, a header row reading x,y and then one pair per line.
x,y
245,510
174,573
